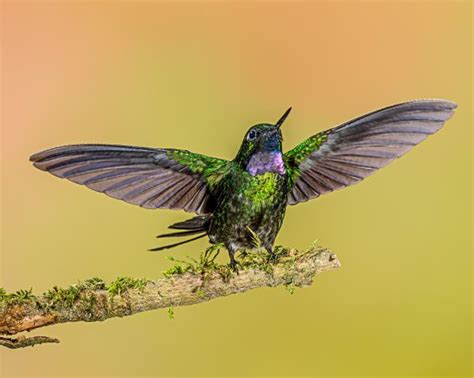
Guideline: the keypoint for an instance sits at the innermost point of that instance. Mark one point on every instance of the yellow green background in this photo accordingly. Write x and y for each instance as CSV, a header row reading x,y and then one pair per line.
x,y
196,75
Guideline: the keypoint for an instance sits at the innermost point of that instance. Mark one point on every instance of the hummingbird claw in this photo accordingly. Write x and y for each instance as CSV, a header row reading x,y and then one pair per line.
x,y
233,263
233,266
272,258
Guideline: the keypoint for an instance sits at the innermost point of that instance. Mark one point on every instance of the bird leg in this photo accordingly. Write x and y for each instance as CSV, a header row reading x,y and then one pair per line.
x,y
231,249
273,257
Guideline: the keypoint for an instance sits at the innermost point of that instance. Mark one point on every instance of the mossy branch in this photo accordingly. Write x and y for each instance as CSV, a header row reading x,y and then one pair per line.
x,y
186,283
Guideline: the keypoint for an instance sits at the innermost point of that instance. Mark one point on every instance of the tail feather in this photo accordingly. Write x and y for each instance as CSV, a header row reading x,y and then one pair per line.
x,y
180,233
201,222
196,225
168,246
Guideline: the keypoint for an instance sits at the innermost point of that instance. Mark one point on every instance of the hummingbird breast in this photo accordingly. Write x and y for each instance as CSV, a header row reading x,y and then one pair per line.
x,y
248,206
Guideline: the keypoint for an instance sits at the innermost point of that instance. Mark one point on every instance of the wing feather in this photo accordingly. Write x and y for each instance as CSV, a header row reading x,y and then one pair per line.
x,y
147,177
348,153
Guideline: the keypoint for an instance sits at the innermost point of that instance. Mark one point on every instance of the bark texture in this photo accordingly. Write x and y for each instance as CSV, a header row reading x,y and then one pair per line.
x,y
186,283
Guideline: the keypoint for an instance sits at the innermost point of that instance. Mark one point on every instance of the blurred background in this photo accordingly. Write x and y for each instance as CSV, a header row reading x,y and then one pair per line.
x,y
196,75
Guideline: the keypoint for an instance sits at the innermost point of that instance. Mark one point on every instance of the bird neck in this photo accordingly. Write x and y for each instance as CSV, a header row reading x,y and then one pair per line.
x,y
262,162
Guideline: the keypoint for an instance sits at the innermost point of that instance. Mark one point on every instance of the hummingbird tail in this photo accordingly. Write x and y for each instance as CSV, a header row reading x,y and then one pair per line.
x,y
181,233
201,222
168,246
196,225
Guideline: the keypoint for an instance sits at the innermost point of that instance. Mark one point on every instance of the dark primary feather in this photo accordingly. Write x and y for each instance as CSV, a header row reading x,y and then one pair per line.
x,y
147,177
354,150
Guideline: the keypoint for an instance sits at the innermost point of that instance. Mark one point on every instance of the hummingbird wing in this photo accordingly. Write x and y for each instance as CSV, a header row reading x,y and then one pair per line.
x,y
348,153
147,177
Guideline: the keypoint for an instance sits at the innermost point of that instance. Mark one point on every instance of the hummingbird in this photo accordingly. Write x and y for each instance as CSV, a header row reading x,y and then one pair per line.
x,y
238,202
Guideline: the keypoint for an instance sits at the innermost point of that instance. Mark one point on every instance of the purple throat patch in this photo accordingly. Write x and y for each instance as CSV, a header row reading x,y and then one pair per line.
x,y
264,162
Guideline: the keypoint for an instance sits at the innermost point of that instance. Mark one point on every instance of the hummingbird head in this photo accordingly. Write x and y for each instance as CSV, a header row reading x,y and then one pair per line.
x,y
261,145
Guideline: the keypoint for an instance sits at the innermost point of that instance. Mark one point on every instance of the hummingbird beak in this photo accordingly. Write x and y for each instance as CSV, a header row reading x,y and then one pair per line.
x,y
282,118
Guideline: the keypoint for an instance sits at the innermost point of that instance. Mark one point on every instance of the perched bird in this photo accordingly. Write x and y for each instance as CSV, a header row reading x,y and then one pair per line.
x,y
243,200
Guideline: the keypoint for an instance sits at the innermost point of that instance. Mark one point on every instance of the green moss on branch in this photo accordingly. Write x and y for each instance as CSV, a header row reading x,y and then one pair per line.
x,y
186,283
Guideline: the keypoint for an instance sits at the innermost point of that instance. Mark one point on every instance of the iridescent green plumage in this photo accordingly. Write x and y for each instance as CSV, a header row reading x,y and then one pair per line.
x,y
244,200
209,168
301,152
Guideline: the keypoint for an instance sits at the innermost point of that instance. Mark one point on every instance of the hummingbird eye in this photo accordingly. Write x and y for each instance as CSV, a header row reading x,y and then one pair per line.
x,y
252,135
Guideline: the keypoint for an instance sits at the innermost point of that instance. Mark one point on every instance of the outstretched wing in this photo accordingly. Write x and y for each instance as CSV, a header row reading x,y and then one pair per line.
x,y
147,177
348,153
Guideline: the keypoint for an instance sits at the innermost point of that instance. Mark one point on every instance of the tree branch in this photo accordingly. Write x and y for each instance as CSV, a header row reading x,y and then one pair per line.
x,y
23,342
186,283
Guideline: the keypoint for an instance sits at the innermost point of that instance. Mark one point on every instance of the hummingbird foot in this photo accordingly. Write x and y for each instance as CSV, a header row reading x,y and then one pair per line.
x,y
273,258
233,263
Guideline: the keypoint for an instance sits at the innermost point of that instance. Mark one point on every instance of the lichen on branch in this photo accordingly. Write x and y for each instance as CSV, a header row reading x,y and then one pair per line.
x,y
185,283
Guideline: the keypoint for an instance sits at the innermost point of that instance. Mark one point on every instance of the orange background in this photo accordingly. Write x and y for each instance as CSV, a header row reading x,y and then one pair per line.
x,y
195,75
